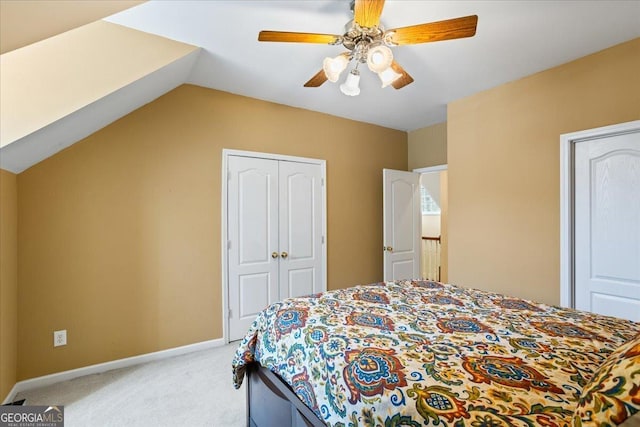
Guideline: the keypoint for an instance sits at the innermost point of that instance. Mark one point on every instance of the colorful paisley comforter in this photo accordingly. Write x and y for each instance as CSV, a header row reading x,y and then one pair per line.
x,y
414,353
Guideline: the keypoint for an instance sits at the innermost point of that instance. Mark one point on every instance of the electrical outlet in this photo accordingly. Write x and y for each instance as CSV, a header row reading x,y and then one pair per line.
x,y
59,338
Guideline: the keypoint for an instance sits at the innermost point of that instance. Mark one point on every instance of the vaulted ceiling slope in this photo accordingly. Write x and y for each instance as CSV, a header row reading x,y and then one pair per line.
x,y
60,90
25,22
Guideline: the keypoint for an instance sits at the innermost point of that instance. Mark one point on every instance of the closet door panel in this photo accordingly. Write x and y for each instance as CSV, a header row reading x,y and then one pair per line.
x,y
300,228
253,237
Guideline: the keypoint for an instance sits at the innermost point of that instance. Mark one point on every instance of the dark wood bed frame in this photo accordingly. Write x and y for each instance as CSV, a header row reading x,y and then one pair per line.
x,y
272,403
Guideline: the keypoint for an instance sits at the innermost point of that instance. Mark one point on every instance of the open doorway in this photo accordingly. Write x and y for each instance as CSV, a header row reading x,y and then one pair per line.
x,y
433,192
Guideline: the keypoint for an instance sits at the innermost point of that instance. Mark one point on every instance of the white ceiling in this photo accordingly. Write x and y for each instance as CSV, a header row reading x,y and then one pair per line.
x,y
514,39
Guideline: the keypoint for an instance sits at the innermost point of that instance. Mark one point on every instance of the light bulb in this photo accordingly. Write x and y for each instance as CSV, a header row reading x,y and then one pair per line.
x,y
350,86
334,66
379,58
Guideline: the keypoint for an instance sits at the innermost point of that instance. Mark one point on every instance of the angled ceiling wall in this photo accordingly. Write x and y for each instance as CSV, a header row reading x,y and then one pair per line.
x,y
101,71
25,22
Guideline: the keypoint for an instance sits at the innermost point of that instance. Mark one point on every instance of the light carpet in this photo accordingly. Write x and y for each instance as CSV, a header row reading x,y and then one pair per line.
x,y
194,389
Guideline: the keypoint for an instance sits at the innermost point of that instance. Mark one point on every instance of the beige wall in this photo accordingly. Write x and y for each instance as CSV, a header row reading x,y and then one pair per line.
x,y
444,226
503,157
119,235
428,146
431,225
8,281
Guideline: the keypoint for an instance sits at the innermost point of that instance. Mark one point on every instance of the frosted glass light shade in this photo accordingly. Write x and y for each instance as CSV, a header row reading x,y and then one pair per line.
x,y
388,76
351,86
332,67
379,58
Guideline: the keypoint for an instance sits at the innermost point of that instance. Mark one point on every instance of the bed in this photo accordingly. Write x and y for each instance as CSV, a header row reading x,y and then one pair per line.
x,y
415,353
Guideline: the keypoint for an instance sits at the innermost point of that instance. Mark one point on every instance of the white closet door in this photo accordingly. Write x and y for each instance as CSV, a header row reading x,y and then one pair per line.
x,y
300,218
401,222
252,217
607,225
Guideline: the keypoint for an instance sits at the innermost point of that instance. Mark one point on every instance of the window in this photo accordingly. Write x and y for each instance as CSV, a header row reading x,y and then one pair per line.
x,y
428,203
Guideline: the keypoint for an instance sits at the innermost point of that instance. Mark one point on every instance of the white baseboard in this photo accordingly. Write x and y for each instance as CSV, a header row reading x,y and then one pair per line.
x,y
12,394
109,366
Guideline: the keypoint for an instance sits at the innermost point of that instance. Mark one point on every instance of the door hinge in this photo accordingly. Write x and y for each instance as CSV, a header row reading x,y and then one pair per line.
x,y
322,182
228,175
230,314
228,244
323,240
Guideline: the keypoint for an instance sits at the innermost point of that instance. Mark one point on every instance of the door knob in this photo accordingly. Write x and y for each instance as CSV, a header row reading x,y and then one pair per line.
x,y
389,249
284,254
274,255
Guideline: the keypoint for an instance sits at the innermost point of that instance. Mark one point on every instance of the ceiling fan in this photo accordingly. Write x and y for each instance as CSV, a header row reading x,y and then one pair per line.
x,y
367,42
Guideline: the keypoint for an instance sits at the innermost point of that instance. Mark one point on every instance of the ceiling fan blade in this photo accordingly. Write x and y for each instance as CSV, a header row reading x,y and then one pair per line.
x,y
367,12
435,31
402,81
284,36
316,80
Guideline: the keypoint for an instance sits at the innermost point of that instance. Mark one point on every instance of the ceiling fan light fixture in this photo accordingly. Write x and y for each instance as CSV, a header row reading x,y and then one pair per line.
x,y
388,76
351,86
379,58
368,41
333,67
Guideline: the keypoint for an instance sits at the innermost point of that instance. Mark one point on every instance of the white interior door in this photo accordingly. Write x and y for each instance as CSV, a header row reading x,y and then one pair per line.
x,y
401,222
252,232
300,229
607,225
